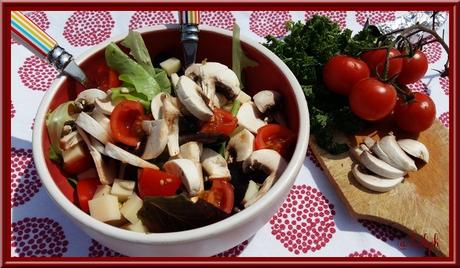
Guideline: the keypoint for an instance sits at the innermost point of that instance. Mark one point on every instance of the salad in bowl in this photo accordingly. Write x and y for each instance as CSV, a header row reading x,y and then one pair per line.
x,y
161,159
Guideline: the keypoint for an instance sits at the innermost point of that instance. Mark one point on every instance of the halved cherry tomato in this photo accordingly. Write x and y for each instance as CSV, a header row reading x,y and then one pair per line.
x,y
275,137
154,182
126,122
85,191
220,195
375,59
415,115
107,77
223,122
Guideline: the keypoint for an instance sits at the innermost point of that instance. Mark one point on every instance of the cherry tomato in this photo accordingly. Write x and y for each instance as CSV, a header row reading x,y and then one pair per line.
x,y
413,69
220,195
107,77
154,182
79,165
375,59
341,73
415,115
85,191
372,100
275,137
222,122
126,122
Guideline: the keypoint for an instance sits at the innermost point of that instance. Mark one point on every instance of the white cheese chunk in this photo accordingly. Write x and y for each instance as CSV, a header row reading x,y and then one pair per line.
x,y
131,207
102,190
122,189
136,227
105,208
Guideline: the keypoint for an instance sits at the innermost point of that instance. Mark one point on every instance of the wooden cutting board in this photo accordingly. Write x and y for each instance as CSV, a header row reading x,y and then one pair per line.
x,y
419,206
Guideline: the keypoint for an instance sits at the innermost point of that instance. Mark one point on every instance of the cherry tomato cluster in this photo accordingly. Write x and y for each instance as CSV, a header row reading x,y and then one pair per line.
x,y
372,99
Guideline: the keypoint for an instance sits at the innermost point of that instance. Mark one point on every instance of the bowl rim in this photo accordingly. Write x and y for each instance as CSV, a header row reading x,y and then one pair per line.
x,y
285,181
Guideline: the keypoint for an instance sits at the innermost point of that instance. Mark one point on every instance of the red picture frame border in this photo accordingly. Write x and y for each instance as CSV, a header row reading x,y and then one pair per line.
x,y
451,6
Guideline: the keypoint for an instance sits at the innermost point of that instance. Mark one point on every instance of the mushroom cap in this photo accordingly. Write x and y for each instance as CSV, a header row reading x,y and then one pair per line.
x,y
187,171
242,144
249,117
266,100
191,150
187,92
214,164
157,132
90,95
267,160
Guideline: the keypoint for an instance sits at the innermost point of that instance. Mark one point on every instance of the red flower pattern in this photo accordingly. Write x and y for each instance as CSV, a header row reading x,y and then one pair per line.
x,y
336,16
382,231
221,19
88,28
150,18
375,17
24,179
36,74
444,118
235,251
367,253
265,23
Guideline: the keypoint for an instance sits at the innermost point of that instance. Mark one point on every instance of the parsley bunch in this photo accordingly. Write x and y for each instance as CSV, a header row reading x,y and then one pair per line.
x,y
305,51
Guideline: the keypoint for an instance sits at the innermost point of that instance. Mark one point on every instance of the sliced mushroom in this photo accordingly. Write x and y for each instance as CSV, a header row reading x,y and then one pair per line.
x,y
90,125
156,106
187,171
171,116
214,164
266,100
188,93
103,120
89,96
249,117
373,182
380,167
191,150
219,100
105,172
214,76
69,140
415,149
242,144
400,159
105,106
174,80
157,132
126,157
270,162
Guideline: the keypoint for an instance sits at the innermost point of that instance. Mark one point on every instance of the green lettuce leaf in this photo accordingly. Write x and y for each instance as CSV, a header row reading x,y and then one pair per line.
x,y
177,213
55,121
117,96
239,59
131,72
163,81
139,51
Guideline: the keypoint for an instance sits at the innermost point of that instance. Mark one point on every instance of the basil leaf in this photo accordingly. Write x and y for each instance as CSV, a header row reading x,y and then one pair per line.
x,y
177,213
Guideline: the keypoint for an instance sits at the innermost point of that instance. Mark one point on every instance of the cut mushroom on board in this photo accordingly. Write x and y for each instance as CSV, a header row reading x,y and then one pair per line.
x,y
105,172
188,93
89,96
157,140
268,161
213,77
374,182
92,127
187,171
126,157
380,167
415,149
215,165
266,100
249,117
400,159
242,144
171,116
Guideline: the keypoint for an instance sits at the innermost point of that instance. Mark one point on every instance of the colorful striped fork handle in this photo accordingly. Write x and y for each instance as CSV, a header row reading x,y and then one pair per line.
x,y
189,21
189,17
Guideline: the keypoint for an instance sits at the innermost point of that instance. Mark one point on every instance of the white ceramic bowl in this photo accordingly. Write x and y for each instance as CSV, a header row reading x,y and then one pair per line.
x,y
211,239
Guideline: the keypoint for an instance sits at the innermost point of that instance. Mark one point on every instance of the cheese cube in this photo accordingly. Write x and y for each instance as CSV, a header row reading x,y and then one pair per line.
x,y
105,208
102,190
131,207
136,227
122,189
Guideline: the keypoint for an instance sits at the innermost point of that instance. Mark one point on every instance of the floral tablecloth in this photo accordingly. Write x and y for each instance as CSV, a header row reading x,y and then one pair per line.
x,y
324,228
